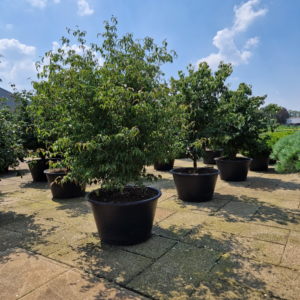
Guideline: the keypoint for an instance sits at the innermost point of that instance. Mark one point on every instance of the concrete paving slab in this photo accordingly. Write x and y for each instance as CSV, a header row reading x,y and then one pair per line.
x,y
179,224
198,207
237,210
220,290
230,243
13,239
154,247
35,226
176,274
248,229
162,213
75,286
276,281
103,260
291,256
22,272
57,241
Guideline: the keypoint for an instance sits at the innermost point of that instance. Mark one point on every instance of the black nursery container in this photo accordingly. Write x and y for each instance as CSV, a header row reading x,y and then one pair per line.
x,y
37,169
195,187
211,155
65,191
164,166
234,170
259,164
124,223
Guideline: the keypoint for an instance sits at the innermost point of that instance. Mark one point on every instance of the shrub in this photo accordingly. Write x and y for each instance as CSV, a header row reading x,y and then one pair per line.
x,y
287,153
110,120
274,137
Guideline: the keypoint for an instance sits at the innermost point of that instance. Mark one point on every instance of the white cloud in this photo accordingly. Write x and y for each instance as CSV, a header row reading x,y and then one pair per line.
x,y
17,63
245,15
38,3
9,26
252,43
84,8
12,44
56,1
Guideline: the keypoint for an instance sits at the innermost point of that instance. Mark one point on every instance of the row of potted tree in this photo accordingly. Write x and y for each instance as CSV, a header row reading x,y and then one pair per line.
x,y
108,122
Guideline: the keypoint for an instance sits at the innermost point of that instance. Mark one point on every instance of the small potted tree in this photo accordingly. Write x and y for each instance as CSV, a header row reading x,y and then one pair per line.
x,y
209,159
36,146
238,123
199,92
11,148
259,151
112,121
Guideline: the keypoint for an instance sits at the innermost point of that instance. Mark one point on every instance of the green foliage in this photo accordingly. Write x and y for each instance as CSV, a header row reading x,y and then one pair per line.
x,y
199,92
259,148
238,122
282,116
271,111
274,137
287,153
110,120
11,149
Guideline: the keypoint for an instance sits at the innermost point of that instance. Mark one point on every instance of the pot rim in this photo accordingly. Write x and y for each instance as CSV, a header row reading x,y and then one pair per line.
x,y
210,150
47,171
39,159
246,159
124,204
173,171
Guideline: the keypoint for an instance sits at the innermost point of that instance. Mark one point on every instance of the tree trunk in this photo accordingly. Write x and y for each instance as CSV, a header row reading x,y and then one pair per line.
x,y
232,155
195,165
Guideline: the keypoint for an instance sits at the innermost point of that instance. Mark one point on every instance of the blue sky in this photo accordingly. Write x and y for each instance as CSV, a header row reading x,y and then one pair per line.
x,y
261,38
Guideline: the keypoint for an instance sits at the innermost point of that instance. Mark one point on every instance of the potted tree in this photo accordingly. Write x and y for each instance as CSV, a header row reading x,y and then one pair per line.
x,y
199,93
259,151
112,121
209,159
36,147
11,148
238,123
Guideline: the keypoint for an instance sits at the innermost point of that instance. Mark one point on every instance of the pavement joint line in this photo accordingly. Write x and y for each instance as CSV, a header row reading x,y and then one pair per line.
x,y
153,261
284,249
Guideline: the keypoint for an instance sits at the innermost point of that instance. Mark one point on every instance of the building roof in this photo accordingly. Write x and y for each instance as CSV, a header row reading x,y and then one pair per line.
x,y
6,94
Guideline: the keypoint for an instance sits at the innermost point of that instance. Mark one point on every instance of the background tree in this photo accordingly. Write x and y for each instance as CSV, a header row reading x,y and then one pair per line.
x,y
294,113
199,92
282,116
271,111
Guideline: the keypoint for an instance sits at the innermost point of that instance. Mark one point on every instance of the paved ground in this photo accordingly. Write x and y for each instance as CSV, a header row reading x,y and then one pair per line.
x,y
244,244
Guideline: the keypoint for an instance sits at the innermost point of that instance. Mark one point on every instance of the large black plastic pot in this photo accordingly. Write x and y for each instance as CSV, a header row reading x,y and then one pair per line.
x,y
259,164
37,169
211,155
272,161
195,187
124,223
164,166
236,170
65,191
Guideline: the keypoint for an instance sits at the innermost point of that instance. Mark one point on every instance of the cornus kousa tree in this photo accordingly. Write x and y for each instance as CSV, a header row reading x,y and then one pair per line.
x,y
199,93
110,120
239,122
